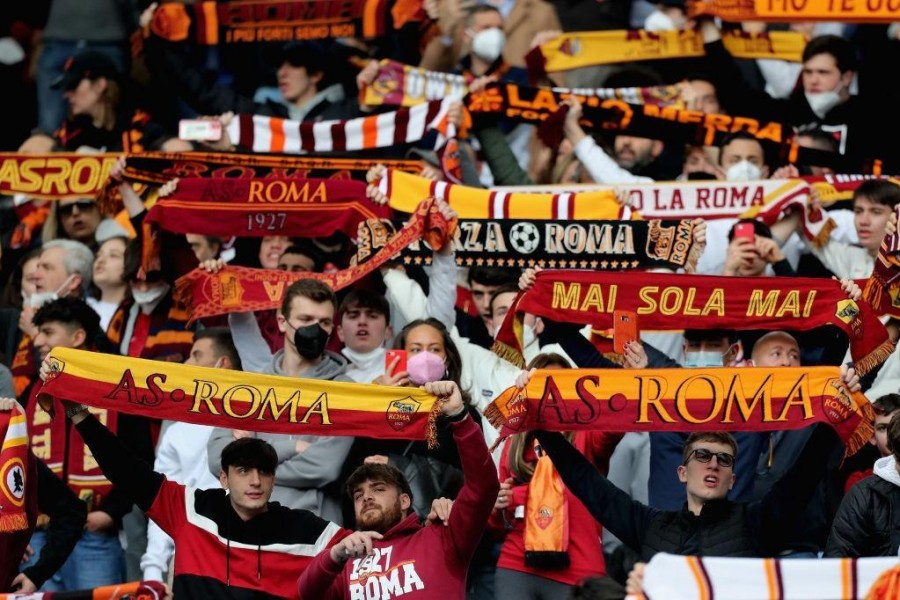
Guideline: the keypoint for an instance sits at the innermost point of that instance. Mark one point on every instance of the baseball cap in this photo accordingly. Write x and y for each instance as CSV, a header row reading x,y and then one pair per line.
x,y
88,64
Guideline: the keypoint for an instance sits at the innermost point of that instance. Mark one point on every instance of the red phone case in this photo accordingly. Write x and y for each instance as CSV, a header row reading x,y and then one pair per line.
x,y
625,329
745,230
390,356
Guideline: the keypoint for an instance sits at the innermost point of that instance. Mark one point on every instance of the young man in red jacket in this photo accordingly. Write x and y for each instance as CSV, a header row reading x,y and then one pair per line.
x,y
394,555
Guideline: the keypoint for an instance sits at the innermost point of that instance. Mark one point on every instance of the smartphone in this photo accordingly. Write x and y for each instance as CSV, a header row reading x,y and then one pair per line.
x,y
625,329
390,356
203,130
745,230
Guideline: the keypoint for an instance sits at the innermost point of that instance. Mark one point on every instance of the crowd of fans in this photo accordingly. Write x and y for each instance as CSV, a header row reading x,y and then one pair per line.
x,y
321,516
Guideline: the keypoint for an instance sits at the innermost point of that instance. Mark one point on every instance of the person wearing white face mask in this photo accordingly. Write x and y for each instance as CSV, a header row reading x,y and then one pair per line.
x,y
666,16
150,324
823,99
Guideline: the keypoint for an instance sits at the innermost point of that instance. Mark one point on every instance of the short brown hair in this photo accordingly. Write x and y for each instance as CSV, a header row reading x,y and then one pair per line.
x,y
315,290
388,474
719,437
893,439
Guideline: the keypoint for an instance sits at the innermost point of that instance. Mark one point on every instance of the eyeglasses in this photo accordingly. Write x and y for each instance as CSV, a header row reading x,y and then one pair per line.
x,y
66,210
704,456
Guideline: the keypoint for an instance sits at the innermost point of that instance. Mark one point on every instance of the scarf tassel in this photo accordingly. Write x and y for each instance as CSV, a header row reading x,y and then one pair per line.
x,y
508,353
431,429
875,357
693,257
821,238
13,522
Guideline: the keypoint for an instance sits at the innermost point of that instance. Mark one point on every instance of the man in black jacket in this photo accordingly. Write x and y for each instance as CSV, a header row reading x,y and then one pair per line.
x,y
708,524
868,521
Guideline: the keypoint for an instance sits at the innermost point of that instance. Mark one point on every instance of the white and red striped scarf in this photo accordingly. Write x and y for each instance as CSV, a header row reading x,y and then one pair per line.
x,y
766,200
671,577
403,126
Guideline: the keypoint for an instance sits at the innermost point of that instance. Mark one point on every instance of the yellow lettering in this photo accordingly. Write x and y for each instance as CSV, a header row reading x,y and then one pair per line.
x,y
759,307
798,396
204,392
681,398
669,309
255,193
646,400
645,294
566,297
689,309
593,298
791,303
735,395
810,298
716,302
319,407
277,409
229,396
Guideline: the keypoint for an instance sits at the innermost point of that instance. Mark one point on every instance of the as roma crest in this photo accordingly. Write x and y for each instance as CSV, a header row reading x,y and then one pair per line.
x,y
400,413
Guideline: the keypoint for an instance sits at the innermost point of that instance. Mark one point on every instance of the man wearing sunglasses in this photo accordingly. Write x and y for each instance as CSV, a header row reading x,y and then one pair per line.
x,y
708,524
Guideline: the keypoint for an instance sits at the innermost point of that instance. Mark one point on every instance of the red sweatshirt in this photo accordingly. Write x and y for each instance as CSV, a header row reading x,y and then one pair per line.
x,y
412,561
585,544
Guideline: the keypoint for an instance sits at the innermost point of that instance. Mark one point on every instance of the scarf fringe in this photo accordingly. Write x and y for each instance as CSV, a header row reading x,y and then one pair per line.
x,y
873,293
431,430
875,357
494,416
696,251
13,522
820,239
508,353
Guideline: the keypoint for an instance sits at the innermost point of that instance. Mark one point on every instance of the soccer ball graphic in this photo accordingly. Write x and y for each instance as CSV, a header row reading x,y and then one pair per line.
x,y
524,237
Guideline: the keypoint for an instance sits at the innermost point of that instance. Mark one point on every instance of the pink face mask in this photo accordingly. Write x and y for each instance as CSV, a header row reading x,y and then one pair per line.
x,y
424,367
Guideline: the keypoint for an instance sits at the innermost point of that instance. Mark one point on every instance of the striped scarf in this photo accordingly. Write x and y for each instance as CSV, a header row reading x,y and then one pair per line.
x,y
14,470
402,189
404,126
671,577
805,10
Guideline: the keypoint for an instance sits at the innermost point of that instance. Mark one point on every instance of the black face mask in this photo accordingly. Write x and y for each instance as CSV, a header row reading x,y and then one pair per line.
x,y
310,341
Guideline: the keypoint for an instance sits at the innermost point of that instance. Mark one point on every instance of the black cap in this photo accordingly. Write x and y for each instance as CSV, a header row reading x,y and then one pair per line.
x,y
87,64
309,55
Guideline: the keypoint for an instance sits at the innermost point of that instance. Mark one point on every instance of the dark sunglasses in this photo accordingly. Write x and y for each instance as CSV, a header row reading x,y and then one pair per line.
x,y
704,456
66,210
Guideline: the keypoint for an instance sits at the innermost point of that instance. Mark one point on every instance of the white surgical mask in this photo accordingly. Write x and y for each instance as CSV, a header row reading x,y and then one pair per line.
x,y
487,44
743,171
660,21
822,102
703,358
38,299
150,296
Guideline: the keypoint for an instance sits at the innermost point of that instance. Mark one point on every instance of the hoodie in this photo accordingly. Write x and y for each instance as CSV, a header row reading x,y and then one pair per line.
x,y
886,468
412,561
308,479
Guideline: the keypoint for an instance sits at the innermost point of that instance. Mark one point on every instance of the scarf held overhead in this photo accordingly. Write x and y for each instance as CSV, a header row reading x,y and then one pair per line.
x,y
667,302
619,245
720,399
473,203
210,23
239,289
397,84
403,126
585,49
259,207
56,176
223,398
779,11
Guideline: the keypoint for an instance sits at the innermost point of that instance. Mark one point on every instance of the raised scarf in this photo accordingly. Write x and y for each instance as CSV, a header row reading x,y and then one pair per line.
x,y
56,176
779,11
882,289
210,23
766,200
403,126
669,302
259,207
397,84
240,289
236,400
588,48
833,188
24,365
673,577
402,190
670,124
685,400
137,590
546,517
55,441
14,471
156,168
618,245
